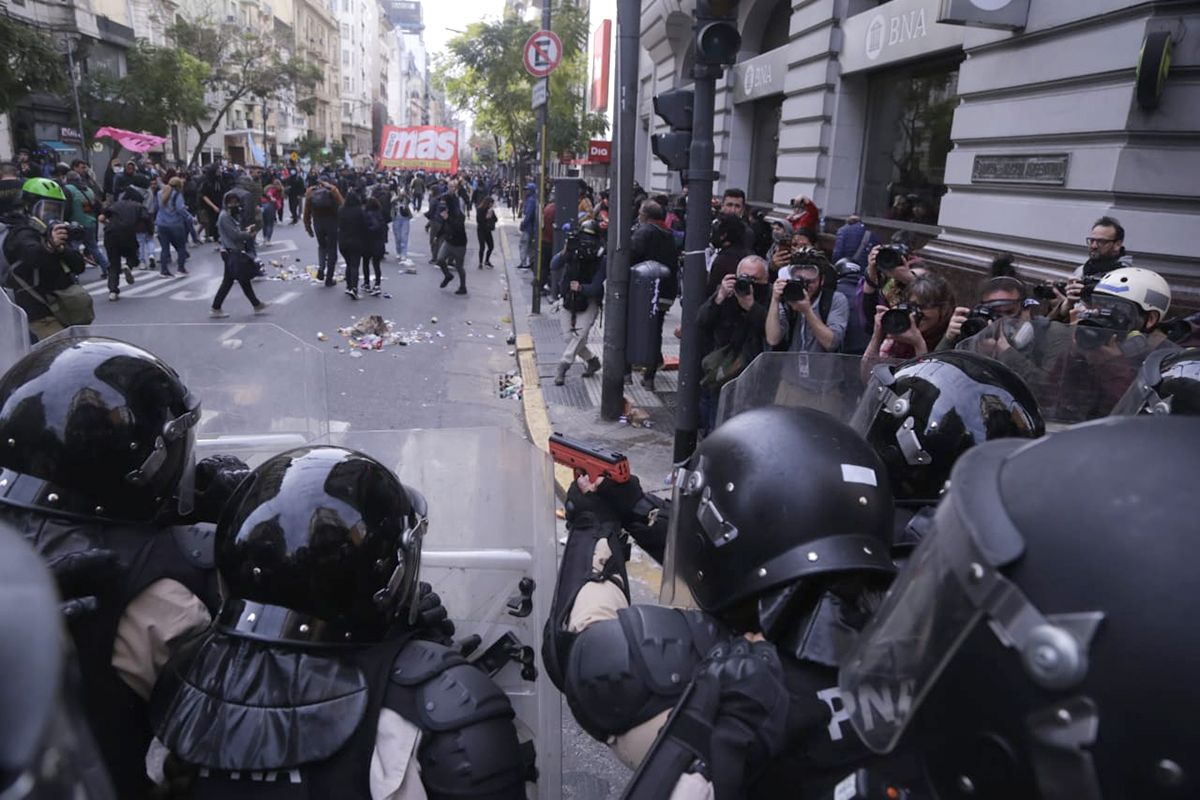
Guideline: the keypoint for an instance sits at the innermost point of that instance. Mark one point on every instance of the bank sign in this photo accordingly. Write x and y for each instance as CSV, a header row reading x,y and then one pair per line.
x,y
896,31
760,76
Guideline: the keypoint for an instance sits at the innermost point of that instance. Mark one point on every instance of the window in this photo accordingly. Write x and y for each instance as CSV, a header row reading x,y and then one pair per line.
x,y
908,139
345,84
345,58
345,109
346,30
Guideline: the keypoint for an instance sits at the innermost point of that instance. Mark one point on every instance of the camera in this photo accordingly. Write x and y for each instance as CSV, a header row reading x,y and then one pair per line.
x,y
795,289
743,286
889,257
896,321
977,319
75,231
1046,290
583,247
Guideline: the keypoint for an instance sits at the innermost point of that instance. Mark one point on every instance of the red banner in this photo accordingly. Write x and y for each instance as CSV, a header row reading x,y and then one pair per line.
x,y
601,50
420,147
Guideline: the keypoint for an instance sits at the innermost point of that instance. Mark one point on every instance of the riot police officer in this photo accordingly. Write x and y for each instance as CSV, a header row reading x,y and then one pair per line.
x,y
578,274
779,532
96,441
1045,647
312,682
1167,383
920,416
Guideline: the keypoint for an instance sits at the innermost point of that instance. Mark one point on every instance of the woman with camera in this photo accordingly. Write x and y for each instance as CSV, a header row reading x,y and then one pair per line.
x,y
913,327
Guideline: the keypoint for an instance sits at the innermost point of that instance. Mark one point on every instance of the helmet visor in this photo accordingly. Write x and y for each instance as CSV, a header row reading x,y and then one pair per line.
x,y
674,590
877,393
410,554
923,621
47,210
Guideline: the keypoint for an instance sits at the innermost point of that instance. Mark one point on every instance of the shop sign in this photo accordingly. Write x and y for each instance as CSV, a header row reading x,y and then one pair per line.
x,y
896,31
1038,170
599,151
1004,14
69,135
760,76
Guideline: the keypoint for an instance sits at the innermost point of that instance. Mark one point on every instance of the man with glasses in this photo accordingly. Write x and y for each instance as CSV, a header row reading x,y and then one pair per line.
x,y
1106,252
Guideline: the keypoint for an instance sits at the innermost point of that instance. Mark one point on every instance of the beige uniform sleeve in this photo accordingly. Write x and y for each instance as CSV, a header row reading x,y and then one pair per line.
x,y
693,787
395,773
597,600
165,613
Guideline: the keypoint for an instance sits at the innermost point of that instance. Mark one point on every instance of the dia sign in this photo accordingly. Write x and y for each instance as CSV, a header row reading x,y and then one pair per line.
x,y
599,151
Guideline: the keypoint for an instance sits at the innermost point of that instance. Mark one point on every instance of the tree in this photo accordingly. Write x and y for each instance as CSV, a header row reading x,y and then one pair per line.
x,y
30,60
240,65
483,72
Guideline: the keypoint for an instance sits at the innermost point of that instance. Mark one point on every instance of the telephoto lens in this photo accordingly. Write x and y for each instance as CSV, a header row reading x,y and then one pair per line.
x,y
896,321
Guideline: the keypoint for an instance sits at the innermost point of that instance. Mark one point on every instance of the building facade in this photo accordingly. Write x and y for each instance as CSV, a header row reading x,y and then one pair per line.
x,y
1012,137
318,39
364,61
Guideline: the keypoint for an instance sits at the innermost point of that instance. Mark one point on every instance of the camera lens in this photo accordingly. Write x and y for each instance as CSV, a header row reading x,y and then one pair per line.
x,y
895,321
972,325
888,258
742,286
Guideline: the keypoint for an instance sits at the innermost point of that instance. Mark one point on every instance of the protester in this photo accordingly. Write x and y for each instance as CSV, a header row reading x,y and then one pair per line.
x,y
452,250
83,203
172,223
376,246
122,217
401,223
272,209
352,237
239,264
485,221
652,240
321,204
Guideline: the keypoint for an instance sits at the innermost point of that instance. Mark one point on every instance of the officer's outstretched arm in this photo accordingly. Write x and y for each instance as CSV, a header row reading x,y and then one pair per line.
x,y
645,517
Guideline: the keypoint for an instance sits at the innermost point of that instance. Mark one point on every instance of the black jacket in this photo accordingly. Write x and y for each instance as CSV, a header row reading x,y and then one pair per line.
x,y
352,229
725,263
25,250
122,218
727,323
454,231
376,243
651,242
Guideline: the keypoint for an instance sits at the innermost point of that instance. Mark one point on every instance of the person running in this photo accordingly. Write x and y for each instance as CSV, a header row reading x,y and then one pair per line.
x,y
485,222
239,263
453,249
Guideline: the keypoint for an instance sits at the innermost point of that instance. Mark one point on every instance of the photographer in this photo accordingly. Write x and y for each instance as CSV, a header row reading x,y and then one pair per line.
x,y
733,320
999,298
1106,252
582,288
914,327
43,254
806,313
890,271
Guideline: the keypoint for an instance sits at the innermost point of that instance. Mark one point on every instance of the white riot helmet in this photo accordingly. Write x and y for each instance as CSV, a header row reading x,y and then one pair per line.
x,y
1148,290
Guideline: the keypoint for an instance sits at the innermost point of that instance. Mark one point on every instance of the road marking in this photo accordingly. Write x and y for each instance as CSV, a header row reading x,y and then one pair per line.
x,y
167,286
275,248
233,331
207,290
284,298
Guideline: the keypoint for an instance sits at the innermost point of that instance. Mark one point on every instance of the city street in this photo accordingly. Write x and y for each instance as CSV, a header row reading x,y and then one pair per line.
x,y
449,381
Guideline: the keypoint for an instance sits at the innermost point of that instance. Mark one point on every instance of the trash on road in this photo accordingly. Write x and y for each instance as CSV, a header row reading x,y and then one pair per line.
x,y
373,332
511,386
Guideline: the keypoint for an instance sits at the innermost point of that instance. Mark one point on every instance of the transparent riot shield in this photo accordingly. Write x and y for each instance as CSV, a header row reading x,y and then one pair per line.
x,y
490,554
261,389
829,382
1076,372
14,332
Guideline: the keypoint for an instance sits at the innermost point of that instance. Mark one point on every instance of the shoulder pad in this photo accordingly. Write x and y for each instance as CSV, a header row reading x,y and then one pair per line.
x,y
668,643
420,660
460,696
197,543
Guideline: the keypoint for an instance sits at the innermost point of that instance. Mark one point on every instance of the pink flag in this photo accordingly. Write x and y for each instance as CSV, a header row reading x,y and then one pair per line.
x,y
137,142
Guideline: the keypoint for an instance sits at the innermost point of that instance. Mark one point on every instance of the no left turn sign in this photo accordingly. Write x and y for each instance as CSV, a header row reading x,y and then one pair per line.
x,y
543,52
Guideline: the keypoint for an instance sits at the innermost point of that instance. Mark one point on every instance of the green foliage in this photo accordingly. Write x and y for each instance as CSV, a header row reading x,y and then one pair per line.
x,y
483,72
162,86
240,65
30,62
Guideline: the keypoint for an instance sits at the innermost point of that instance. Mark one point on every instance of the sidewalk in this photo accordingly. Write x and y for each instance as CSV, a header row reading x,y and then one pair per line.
x,y
574,408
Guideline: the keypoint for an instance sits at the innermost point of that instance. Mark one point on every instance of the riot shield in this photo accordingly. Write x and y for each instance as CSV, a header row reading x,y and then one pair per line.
x,y
490,554
829,382
14,332
1076,372
261,389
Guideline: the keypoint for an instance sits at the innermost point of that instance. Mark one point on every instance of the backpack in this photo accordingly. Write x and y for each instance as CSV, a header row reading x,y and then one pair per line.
x,y
322,199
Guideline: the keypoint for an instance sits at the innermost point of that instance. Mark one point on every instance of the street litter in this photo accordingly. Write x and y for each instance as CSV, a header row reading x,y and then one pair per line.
x,y
373,332
511,386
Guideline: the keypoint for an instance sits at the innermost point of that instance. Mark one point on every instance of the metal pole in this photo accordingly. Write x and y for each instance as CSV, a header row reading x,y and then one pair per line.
x,y
544,135
700,177
83,152
616,300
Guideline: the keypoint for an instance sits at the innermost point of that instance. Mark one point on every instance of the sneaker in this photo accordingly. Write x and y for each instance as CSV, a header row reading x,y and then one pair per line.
x,y
217,313
166,273
261,308
461,290
352,293
182,270
375,291
113,297
151,263
320,276
446,281
128,275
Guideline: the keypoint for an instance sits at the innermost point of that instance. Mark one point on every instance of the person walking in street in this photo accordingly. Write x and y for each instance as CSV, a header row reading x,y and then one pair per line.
x,y
453,250
82,204
376,247
401,223
272,209
485,224
321,204
122,217
416,187
295,193
210,202
352,238
171,224
239,264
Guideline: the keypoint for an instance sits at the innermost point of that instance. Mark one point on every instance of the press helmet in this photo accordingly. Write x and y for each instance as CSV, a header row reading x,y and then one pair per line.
x,y
96,428
320,545
1145,288
920,416
1040,647
44,199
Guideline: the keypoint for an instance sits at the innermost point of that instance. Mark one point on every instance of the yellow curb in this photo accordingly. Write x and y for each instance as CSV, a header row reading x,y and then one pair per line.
x,y
537,415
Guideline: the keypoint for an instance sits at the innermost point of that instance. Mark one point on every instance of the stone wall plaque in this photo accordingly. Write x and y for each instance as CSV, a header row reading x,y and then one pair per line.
x,y
1038,170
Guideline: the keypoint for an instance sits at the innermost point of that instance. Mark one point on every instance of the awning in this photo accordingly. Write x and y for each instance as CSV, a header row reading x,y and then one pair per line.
x,y
61,147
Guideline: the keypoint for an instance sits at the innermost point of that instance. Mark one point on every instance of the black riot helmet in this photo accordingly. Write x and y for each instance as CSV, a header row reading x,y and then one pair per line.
x,y
96,428
773,497
1168,383
319,545
920,416
1042,648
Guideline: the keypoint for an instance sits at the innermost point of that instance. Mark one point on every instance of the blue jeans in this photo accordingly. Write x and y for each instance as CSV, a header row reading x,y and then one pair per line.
x,y
400,227
92,247
268,224
145,247
171,236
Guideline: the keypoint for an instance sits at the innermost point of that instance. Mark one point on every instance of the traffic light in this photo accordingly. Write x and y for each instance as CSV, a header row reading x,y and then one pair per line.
x,y
717,37
675,108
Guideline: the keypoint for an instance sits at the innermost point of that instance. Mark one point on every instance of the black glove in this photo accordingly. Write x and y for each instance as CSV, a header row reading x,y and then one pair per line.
x,y
82,577
216,478
608,501
751,723
433,620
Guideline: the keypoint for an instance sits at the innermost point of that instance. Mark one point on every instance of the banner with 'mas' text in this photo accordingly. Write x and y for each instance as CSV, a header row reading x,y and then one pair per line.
x,y
420,147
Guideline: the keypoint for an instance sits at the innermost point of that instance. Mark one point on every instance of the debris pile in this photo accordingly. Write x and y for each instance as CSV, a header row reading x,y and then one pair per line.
x,y
373,332
511,386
